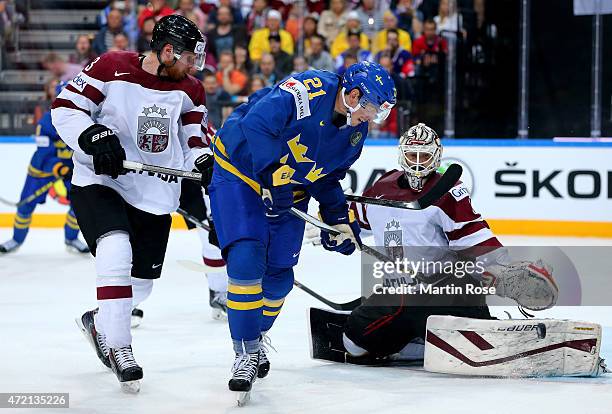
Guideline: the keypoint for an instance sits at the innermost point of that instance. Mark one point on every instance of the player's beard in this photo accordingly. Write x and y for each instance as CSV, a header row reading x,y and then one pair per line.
x,y
176,73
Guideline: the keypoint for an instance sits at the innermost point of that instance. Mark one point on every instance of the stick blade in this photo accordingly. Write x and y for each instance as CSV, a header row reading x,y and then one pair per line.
x,y
444,184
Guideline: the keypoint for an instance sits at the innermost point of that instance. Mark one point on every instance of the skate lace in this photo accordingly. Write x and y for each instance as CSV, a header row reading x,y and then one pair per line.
x,y
102,343
244,367
124,357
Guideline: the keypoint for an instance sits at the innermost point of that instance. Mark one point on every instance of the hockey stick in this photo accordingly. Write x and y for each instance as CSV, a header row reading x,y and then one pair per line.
x,y
444,184
198,267
193,219
32,196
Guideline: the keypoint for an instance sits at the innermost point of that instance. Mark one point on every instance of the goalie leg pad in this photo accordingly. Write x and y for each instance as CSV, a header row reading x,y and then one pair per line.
x,y
512,348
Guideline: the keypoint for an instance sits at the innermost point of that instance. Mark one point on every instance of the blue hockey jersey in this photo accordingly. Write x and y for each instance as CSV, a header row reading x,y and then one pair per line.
x,y
50,149
290,124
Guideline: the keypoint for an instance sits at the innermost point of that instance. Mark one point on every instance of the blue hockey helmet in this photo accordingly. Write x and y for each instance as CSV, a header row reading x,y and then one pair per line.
x,y
377,89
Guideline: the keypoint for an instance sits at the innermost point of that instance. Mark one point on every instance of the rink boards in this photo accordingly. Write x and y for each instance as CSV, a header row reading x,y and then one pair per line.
x,y
524,187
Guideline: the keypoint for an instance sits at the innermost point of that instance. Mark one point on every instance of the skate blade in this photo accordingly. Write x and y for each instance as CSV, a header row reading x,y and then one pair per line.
x,y
243,398
130,387
218,315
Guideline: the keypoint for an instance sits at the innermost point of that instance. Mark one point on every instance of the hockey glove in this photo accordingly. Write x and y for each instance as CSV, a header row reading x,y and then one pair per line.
x,y
204,165
344,221
276,191
212,234
103,145
531,285
61,170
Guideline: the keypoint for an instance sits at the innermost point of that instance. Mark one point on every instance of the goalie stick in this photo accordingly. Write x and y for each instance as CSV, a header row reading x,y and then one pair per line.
x,y
444,184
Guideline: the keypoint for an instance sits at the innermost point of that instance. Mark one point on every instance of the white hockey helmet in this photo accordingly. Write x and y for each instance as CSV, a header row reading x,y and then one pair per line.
x,y
420,151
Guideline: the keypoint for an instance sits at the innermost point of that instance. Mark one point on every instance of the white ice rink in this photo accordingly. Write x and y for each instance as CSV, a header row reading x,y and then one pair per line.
x,y
186,356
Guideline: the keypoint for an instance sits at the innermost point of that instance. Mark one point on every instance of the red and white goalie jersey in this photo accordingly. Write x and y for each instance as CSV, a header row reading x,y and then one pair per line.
x,y
153,118
450,221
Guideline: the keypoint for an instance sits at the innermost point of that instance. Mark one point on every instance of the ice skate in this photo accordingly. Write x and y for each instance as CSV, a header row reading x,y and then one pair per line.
x,y
76,246
218,304
137,315
244,373
9,246
96,340
128,372
264,363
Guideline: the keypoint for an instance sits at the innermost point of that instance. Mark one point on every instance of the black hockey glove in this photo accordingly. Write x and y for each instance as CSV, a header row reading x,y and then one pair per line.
x,y
204,165
212,234
108,154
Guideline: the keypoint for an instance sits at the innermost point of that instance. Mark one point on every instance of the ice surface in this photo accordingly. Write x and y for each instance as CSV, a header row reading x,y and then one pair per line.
x,y
187,357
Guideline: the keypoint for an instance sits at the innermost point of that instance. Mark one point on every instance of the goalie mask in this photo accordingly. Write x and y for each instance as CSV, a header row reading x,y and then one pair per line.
x,y
420,151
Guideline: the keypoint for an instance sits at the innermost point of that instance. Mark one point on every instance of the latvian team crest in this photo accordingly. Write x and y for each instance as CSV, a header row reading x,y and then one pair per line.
x,y
153,129
393,239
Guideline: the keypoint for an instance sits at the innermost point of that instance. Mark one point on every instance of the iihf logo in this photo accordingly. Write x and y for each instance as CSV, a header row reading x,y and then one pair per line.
x,y
153,129
393,239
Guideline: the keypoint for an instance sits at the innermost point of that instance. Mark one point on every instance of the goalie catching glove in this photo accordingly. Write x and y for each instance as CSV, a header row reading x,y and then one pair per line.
x,y
530,284
344,221
103,145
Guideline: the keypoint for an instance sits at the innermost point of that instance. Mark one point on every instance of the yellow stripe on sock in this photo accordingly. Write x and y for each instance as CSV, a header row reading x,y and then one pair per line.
x,y
244,305
274,303
244,290
268,313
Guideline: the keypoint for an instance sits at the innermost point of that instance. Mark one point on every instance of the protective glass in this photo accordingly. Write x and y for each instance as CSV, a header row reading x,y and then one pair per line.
x,y
195,59
377,114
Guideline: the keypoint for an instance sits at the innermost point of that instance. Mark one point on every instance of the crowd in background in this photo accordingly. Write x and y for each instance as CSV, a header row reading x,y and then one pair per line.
x,y
256,43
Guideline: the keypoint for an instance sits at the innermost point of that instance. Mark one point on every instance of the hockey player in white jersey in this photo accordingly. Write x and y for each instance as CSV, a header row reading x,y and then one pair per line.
x,y
145,109
379,328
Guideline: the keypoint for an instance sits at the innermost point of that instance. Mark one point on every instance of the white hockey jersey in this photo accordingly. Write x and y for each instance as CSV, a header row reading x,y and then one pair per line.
x,y
450,221
153,118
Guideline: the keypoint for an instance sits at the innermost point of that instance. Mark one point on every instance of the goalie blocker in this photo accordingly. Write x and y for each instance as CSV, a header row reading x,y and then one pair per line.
x,y
513,348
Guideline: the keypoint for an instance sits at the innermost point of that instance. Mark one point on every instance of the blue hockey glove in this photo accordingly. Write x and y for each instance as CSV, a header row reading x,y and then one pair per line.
x,y
276,190
344,221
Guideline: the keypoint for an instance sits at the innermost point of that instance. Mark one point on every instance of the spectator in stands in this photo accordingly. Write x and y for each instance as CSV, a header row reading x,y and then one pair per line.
x,y
104,39
242,59
390,22
403,64
256,19
428,51
45,105
257,82
349,59
130,17
333,20
300,64
146,35
319,58
260,42
156,9
213,17
217,100
340,42
83,51
354,49
309,29
6,20
408,18
225,35
448,20
370,15
231,79
267,69
187,7
284,61
120,43
59,68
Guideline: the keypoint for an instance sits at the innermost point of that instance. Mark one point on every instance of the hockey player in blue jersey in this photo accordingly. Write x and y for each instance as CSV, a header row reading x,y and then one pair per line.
x,y
52,161
288,143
